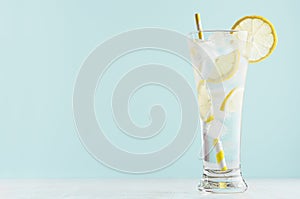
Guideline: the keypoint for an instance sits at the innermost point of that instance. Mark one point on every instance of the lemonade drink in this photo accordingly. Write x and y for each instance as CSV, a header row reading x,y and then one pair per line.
x,y
220,67
220,60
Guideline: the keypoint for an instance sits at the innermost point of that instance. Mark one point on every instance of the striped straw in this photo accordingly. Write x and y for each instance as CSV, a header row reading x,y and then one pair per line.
x,y
220,157
199,26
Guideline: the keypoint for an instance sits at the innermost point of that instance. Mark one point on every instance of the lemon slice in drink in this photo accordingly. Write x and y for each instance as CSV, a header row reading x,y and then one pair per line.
x,y
233,100
205,103
226,66
262,36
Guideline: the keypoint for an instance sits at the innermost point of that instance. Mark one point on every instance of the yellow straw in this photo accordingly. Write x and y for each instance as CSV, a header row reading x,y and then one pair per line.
x,y
220,156
199,26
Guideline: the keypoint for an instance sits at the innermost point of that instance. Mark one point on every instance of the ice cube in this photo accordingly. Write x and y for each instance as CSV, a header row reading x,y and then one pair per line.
x,y
219,37
223,42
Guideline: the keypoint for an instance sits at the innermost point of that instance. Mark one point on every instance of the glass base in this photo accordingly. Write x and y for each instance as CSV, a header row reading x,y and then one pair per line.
x,y
216,181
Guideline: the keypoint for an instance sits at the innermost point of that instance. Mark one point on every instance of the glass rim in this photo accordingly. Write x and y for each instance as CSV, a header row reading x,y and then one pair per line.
x,y
215,30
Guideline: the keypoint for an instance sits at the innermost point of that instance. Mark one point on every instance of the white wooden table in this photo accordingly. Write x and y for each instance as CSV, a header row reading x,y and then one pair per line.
x,y
138,188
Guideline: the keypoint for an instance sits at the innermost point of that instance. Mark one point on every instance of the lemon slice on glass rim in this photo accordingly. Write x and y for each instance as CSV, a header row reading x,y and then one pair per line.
x,y
262,36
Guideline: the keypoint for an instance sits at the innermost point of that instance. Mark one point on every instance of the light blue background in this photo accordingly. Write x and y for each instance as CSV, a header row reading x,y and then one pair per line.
x,y
43,43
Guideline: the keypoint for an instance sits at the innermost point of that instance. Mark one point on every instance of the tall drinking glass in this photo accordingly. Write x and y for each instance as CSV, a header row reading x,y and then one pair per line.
x,y
220,64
